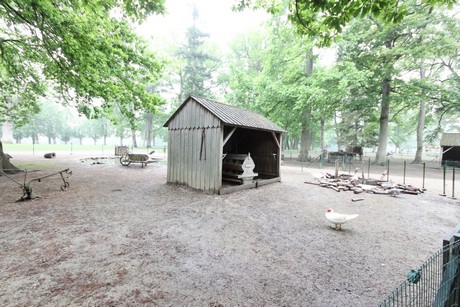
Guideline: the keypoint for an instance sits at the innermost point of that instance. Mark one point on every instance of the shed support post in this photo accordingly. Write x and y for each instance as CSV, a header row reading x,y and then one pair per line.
x,y
276,140
229,136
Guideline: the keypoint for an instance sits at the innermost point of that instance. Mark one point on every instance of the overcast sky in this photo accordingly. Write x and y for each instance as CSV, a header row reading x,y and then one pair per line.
x,y
215,18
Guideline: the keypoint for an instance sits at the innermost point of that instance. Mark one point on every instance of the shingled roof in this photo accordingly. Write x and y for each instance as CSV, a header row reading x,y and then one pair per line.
x,y
450,139
231,115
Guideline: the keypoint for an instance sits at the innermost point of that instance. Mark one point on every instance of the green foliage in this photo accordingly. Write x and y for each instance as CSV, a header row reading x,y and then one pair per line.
x,y
402,128
30,129
95,128
18,135
268,74
448,55
91,58
325,20
381,50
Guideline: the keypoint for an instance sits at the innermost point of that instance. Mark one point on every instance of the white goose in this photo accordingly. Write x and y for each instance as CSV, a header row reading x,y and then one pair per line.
x,y
338,218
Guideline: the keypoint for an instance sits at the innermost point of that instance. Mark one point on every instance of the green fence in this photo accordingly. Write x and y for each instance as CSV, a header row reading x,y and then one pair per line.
x,y
436,283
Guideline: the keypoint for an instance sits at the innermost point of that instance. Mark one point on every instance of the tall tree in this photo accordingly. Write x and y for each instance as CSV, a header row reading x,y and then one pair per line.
x,y
50,121
199,64
383,50
271,72
95,129
79,48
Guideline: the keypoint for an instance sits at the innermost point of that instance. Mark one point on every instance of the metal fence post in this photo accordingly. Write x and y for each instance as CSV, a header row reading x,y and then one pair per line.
x,y
388,169
368,168
301,161
453,184
444,181
423,182
404,173
336,168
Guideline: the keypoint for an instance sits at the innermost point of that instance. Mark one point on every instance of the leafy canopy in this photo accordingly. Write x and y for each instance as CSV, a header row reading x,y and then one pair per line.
x,y
324,19
87,51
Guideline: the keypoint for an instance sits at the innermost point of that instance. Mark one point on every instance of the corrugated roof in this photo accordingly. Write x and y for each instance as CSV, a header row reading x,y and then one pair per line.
x,y
234,116
450,139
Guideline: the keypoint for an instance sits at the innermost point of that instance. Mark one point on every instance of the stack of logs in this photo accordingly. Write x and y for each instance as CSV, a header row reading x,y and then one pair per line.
x,y
358,185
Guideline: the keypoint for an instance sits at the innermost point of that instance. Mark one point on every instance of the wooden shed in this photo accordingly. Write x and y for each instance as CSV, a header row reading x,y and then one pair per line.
x,y
450,148
203,134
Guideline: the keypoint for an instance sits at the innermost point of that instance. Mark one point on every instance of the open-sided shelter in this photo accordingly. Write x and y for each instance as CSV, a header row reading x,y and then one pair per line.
x,y
450,146
202,133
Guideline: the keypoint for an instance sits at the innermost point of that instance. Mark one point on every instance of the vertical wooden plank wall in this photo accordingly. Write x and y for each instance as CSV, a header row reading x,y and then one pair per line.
x,y
266,154
189,161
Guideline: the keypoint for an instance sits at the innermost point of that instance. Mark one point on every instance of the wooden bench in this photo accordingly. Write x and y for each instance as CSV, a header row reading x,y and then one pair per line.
x,y
238,168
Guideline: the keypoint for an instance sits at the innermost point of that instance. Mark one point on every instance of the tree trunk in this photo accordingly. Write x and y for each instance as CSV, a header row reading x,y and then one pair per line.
x,y
420,124
355,137
305,141
322,134
133,136
380,157
5,164
337,132
148,129
34,138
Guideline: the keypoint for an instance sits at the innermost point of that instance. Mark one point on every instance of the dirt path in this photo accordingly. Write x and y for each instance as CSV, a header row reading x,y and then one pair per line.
x,y
121,236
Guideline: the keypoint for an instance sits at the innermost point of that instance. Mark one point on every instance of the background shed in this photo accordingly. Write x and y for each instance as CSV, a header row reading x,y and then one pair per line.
x,y
450,146
202,132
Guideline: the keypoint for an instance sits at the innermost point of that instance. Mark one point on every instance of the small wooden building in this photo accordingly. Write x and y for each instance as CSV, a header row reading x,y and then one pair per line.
x,y
450,148
201,133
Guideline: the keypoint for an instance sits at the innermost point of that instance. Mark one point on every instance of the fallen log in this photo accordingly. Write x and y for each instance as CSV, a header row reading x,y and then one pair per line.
x,y
50,155
312,182
410,192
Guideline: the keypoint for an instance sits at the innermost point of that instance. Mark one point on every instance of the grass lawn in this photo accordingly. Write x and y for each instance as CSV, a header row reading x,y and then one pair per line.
x,y
69,148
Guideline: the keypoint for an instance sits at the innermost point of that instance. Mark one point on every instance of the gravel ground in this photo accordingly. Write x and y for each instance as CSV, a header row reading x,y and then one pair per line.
x,y
122,236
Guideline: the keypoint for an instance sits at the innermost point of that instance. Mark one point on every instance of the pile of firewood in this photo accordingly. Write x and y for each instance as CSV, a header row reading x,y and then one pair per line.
x,y
358,185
